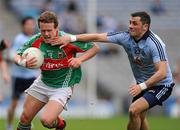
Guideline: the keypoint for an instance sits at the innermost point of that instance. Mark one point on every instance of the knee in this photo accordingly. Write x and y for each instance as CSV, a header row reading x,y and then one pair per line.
x,y
25,118
133,111
46,122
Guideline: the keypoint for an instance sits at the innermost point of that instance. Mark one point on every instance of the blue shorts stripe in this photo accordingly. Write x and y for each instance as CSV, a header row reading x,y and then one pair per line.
x,y
161,93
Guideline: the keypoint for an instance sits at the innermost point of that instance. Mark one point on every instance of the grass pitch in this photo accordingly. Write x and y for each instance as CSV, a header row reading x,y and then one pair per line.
x,y
115,123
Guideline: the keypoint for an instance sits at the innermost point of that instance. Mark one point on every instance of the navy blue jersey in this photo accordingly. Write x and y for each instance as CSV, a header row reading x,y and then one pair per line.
x,y
143,54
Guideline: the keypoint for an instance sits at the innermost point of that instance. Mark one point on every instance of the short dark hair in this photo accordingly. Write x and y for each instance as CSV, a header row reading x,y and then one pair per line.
x,y
48,17
23,21
145,17
2,45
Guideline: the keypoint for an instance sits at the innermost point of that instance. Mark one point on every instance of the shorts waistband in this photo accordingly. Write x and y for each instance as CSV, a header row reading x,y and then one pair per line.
x,y
165,85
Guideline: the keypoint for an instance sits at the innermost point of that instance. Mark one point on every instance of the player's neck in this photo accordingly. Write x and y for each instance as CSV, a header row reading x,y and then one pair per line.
x,y
142,36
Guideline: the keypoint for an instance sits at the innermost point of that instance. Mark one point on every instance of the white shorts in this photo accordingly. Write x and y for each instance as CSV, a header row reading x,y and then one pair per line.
x,y
42,92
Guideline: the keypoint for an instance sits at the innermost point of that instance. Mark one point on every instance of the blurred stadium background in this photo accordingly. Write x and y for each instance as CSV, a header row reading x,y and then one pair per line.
x,y
103,90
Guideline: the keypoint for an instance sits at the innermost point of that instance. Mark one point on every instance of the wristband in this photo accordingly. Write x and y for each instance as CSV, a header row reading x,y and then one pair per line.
x,y
73,38
22,62
143,86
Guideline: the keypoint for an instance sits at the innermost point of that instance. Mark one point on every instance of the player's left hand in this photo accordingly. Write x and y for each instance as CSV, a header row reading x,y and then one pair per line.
x,y
55,41
134,90
74,62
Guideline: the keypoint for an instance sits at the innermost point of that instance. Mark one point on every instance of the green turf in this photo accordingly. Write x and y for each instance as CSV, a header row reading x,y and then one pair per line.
x,y
116,123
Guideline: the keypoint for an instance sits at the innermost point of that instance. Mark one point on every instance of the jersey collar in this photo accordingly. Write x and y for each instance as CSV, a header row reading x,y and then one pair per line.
x,y
144,37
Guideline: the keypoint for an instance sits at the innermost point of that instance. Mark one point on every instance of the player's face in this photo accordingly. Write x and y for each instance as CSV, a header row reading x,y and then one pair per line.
x,y
137,28
48,31
29,27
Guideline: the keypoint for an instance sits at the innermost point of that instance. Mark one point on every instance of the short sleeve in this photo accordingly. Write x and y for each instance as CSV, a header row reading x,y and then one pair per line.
x,y
117,37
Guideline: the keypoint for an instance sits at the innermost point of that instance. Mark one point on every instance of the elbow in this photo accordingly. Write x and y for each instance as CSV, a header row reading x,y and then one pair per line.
x,y
163,75
97,48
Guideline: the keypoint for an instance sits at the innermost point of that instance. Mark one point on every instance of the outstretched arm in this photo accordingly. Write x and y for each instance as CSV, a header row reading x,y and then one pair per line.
x,y
75,62
94,37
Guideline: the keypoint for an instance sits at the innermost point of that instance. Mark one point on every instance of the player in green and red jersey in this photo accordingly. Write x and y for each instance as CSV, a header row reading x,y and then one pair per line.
x,y
59,73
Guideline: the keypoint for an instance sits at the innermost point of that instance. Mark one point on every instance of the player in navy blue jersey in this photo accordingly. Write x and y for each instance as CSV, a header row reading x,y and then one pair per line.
x,y
148,59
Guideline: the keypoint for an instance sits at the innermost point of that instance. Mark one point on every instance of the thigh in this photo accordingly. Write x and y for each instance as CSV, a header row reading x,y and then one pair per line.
x,y
140,105
52,110
32,106
61,95
58,99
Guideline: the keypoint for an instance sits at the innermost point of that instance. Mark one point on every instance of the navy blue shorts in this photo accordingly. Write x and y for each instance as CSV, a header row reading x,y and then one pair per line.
x,y
156,95
20,85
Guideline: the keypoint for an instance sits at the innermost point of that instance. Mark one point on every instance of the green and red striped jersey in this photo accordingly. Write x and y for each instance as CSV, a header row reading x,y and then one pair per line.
x,y
55,71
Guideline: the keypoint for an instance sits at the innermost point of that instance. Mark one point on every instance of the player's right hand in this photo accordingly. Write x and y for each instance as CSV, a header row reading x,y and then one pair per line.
x,y
62,41
74,62
25,62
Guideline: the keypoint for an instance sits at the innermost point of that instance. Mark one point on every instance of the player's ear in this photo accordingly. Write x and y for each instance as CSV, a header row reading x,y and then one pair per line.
x,y
55,32
145,27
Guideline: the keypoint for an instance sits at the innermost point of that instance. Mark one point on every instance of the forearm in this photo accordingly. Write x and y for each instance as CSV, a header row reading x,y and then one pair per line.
x,y
89,53
95,37
3,66
158,76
